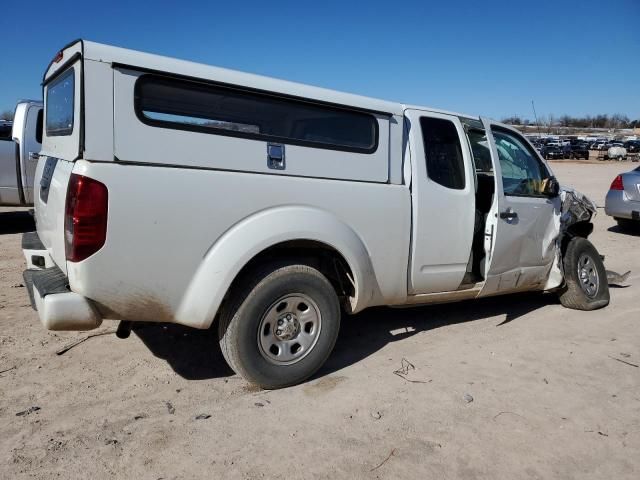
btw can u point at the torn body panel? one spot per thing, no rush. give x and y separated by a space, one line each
576 212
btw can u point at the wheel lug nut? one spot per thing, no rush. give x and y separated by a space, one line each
280 322
288 317
279 332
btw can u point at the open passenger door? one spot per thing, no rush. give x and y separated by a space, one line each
524 221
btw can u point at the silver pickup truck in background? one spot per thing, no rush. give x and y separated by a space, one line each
19 147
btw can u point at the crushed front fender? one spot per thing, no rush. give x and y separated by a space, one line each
576 212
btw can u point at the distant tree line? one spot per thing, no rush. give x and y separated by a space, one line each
617 120
6 115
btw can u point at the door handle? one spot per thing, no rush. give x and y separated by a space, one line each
34 155
275 156
508 215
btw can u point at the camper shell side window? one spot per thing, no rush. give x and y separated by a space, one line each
224 110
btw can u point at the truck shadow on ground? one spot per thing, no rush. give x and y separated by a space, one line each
630 231
16 222
195 354
364 334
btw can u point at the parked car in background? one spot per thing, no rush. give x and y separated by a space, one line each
552 152
623 199
616 152
601 145
289 204
5 129
541 148
19 146
632 146
579 150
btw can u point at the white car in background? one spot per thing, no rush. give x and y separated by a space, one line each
617 152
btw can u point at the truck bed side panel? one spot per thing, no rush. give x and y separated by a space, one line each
162 222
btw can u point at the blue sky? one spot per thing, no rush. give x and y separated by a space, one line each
480 57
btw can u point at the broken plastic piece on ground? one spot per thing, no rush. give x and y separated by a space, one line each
614 278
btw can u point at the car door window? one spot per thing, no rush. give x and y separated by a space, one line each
523 174
443 152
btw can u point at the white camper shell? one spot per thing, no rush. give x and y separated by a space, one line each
170 191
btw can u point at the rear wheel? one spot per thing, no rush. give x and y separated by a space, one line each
279 325
586 285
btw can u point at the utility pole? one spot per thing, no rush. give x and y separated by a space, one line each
535 115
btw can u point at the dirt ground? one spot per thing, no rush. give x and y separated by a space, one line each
552 396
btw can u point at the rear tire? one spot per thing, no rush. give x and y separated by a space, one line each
280 324
586 286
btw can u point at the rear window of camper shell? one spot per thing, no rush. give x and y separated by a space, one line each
60 104
225 110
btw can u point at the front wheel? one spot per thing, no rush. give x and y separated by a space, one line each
586 286
279 326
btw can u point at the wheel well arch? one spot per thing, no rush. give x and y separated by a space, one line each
579 229
291 230
320 255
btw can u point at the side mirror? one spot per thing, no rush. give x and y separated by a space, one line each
552 187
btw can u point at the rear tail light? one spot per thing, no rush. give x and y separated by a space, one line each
617 183
85 220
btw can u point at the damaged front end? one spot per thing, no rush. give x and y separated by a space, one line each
576 208
576 212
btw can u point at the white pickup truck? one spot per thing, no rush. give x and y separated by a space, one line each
19 147
169 191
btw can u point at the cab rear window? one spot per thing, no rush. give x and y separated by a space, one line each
59 107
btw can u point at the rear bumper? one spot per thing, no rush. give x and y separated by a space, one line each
58 307
618 205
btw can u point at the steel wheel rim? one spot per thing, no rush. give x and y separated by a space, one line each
588 276
289 329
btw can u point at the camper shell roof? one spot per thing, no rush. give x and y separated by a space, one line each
137 60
